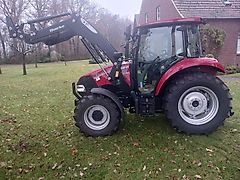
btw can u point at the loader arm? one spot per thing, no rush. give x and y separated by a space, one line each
73 25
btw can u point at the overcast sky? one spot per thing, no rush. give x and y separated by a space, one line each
125 8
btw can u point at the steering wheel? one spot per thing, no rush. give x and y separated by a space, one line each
154 65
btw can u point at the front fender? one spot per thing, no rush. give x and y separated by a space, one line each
188 63
110 95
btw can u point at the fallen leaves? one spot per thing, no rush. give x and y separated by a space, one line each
198 176
185 177
233 130
3 164
144 167
117 147
74 151
128 153
81 174
54 166
136 144
209 150
10 121
199 164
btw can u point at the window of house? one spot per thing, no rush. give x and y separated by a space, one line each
238 44
158 13
146 17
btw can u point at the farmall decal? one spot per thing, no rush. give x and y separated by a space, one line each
89 26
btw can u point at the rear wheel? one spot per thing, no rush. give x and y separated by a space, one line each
197 103
97 115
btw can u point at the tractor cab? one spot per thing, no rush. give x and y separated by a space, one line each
158 46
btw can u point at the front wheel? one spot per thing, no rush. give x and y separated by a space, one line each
97 115
197 103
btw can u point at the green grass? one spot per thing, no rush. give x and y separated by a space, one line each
39 139
237 75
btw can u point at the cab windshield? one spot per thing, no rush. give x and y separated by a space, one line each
165 42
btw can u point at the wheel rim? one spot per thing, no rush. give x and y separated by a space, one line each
198 105
97 117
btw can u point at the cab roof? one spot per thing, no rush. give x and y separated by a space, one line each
169 22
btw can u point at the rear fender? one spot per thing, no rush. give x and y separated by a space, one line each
110 95
208 64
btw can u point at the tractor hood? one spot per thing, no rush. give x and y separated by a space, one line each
101 78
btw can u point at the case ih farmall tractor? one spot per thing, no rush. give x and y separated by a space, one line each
163 70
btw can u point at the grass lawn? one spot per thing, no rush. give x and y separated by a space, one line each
39 139
233 75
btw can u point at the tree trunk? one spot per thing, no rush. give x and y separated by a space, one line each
38 54
0 62
36 60
49 51
36 65
24 64
3 47
15 51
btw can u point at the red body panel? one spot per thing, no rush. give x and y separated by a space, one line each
101 79
187 63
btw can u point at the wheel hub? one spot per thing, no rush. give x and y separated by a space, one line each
195 103
198 105
97 117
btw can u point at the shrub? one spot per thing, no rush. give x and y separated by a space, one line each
212 40
230 69
45 59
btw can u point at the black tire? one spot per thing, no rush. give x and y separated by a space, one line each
197 93
94 109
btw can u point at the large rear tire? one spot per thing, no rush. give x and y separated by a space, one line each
197 103
97 115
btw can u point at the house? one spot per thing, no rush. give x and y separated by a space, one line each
223 14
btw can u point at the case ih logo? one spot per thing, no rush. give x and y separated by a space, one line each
57 28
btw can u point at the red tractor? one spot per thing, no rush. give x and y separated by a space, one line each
163 70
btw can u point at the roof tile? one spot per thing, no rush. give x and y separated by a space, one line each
208 8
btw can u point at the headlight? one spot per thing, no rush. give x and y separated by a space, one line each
81 88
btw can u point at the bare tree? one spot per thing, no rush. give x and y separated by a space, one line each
112 27
15 9
108 24
39 9
0 62
3 44
23 49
